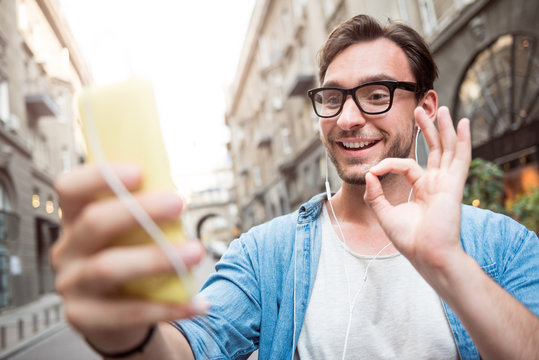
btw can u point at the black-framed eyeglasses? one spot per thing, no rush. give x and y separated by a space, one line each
372 98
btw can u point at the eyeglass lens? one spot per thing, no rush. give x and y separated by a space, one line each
371 98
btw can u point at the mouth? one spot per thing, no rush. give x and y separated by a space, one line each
357 145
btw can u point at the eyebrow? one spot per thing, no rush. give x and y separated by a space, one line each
371 78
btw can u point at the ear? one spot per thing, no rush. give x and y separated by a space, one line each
429 103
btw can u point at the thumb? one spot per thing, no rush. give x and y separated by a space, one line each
374 195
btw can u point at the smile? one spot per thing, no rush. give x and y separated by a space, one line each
357 144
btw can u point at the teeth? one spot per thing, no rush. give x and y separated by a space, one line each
356 145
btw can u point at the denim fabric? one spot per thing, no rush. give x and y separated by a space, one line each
273 266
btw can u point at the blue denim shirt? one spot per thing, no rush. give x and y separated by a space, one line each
261 289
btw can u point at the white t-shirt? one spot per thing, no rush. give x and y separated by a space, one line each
397 315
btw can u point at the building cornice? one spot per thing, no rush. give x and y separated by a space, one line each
52 12
258 20
448 33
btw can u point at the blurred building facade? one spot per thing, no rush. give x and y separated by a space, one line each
41 71
486 51
211 214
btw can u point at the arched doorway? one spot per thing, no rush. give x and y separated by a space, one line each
498 93
215 232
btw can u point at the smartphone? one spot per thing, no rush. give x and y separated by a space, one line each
120 124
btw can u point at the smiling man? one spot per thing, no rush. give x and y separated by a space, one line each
362 127
390 266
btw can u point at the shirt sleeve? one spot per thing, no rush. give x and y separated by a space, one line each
232 326
519 267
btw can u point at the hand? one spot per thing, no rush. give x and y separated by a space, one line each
427 229
89 271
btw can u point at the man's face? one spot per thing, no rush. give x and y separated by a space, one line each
357 141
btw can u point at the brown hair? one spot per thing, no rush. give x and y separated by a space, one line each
366 28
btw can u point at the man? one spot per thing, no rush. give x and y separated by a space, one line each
391 266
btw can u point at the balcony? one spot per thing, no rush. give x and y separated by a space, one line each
41 105
300 84
262 140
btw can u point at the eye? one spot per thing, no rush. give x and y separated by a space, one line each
374 94
378 96
331 98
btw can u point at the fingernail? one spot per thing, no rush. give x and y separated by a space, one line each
191 252
201 305
127 170
129 173
172 202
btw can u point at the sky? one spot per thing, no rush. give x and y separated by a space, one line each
190 50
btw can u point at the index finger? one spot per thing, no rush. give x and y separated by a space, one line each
84 184
432 137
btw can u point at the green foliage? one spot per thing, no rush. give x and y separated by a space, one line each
485 183
526 209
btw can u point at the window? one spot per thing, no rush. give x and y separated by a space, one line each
287 22
65 159
22 18
285 135
499 90
4 277
5 211
329 7
8 230
299 7
4 101
498 93
61 102
257 176
9 220
41 152
436 14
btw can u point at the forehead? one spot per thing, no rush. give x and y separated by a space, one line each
380 59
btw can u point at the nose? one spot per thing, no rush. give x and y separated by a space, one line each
350 116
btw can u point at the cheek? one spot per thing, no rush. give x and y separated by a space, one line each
325 126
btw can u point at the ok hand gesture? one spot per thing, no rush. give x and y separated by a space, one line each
426 229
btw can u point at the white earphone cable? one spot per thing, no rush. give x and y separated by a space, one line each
352 302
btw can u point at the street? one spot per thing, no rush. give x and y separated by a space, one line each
66 344
62 345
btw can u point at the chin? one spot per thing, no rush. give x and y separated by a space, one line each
351 177
355 180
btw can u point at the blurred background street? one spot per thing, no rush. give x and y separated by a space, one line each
58 340
230 79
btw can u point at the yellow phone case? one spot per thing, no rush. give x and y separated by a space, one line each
127 125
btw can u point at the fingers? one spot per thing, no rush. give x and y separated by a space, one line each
90 272
102 221
374 194
84 184
463 152
445 145
408 167
431 136
95 314
447 135
104 272
464 144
